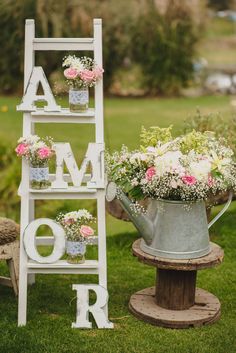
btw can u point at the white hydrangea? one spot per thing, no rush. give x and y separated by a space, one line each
168 163
201 169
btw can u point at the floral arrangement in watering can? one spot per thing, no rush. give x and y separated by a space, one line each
77 228
81 73
177 175
37 152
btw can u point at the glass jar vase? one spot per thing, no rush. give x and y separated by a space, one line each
79 99
75 251
39 176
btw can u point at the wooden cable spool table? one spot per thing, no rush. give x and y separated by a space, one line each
175 302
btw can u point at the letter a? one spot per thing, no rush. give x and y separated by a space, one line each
30 96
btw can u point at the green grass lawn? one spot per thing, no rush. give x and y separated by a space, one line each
51 308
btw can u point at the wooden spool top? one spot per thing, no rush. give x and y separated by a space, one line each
214 258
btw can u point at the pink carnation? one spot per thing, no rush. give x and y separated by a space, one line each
44 152
98 71
86 231
189 180
87 75
22 149
210 180
71 73
150 173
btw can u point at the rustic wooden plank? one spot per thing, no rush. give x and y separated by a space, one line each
175 290
214 258
10 253
206 310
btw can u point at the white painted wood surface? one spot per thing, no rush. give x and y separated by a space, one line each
28 267
30 241
98 309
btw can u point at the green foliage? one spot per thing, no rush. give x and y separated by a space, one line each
165 58
195 140
9 180
222 127
164 46
154 134
12 16
61 19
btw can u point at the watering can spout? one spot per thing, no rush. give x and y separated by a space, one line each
141 221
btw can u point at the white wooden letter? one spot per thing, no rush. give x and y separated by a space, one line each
97 309
30 241
30 95
93 156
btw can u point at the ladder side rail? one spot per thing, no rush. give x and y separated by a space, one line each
29 60
99 126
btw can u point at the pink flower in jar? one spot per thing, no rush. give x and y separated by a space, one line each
189 179
98 71
71 73
150 173
87 75
44 152
86 231
22 149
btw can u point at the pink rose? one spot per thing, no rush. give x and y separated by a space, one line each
150 173
22 149
86 231
44 152
87 75
70 73
210 180
189 179
98 71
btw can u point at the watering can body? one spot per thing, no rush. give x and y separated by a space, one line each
172 229
180 231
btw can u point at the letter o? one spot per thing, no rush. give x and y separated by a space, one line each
30 241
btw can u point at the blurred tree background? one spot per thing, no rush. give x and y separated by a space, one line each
153 39
150 46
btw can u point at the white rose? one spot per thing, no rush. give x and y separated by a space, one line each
201 169
168 163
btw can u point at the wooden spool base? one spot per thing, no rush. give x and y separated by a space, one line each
205 311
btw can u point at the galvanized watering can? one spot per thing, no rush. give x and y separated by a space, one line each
171 229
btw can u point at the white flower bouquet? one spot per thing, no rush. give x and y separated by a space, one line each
188 168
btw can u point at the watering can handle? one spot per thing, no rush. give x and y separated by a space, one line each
222 211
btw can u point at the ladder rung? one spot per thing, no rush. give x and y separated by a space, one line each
63 44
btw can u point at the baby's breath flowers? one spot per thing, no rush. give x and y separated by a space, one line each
187 168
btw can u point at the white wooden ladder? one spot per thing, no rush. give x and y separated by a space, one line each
28 196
